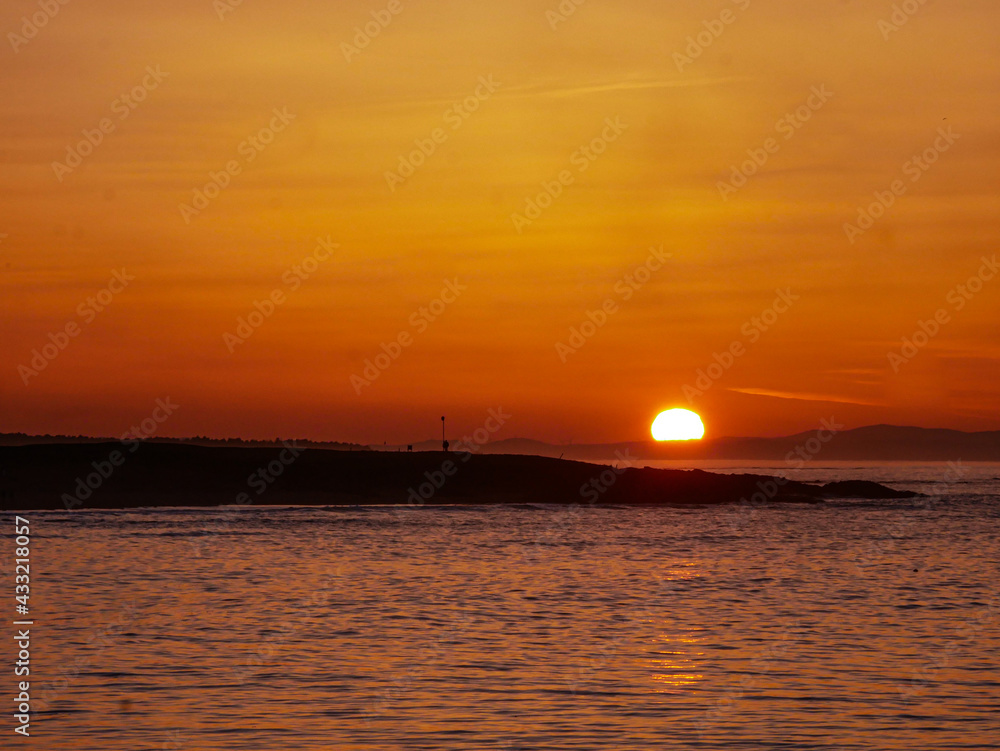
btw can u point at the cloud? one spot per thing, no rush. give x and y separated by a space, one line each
807 397
526 91
595 88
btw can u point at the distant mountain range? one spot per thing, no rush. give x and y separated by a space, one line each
873 443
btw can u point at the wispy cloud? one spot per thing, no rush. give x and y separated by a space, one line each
558 90
597 88
855 371
807 397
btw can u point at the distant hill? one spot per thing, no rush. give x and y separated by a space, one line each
871 443
24 439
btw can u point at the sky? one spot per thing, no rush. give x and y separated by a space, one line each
740 207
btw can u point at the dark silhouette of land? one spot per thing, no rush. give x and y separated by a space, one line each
117 475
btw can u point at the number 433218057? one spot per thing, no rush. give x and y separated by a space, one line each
22 570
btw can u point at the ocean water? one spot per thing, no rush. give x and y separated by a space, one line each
844 625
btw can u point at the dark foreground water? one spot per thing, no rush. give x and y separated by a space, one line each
848 625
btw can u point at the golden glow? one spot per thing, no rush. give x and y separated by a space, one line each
324 175
678 425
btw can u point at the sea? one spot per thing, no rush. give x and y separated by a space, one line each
848 624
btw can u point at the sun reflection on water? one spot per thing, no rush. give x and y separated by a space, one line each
676 661
677 667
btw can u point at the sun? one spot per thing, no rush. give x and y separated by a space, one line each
678 425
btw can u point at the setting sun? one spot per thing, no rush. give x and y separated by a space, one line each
678 425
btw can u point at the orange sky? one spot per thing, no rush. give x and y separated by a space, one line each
543 94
